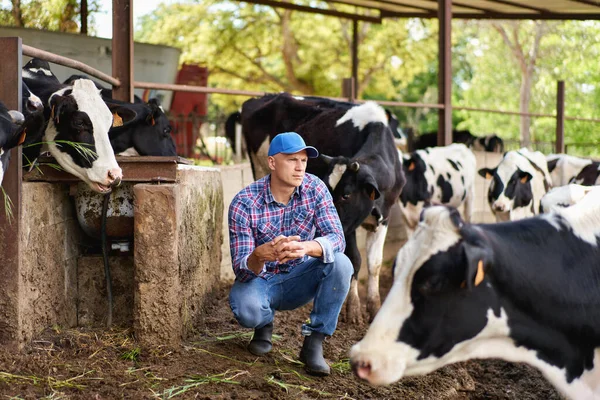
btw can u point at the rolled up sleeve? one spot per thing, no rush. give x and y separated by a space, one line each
241 240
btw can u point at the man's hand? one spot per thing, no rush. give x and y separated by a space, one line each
282 249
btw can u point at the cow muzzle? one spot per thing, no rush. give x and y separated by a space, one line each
115 175
499 207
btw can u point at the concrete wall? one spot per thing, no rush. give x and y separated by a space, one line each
152 63
233 178
49 242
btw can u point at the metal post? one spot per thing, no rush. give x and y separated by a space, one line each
560 117
445 72
10 228
122 49
355 54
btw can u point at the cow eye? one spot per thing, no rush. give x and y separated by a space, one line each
346 196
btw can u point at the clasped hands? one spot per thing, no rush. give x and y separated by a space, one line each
281 249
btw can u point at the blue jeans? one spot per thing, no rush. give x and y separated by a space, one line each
254 303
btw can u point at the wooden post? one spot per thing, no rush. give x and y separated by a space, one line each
84 17
348 89
560 117
122 49
355 55
445 72
10 228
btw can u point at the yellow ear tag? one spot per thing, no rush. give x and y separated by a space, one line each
488 175
152 121
480 274
411 166
22 137
372 196
117 120
524 179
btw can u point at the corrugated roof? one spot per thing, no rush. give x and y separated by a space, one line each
375 10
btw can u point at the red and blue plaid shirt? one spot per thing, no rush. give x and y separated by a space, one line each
256 218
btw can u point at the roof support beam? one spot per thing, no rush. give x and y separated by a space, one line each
331 13
445 73
355 54
122 49
525 16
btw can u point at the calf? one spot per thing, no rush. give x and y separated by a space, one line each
523 291
566 169
517 184
77 127
360 165
11 135
437 175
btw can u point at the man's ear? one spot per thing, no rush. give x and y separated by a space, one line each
271 161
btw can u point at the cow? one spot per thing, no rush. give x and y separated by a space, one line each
77 127
11 135
105 92
360 165
563 196
566 169
140 129
437 175
517 184
522 291
491 143
33 126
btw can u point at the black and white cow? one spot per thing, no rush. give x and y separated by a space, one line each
491 143
140 129
438 175
11 135
75 114
563 196
566 169
517 184
363 170
522 291
105 92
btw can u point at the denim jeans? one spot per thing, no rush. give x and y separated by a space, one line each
254 303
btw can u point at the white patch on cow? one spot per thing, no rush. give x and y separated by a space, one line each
521 159
563 196
336 175
89 101
364 114
131 152
298 98
42 70
567 168
583 217
260 161
1 166
375 243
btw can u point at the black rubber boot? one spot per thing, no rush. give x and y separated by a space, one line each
261 340
312 355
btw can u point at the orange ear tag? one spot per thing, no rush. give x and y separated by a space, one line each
22 137
480 273
117 120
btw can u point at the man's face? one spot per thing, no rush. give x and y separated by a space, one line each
289 169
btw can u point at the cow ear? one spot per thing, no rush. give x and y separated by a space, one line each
122 116
58 104
154 111
326 159
552 164
524 177
371 188
487 173
478 256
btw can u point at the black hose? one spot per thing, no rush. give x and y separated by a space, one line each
105 257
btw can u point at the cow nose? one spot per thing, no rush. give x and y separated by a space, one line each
114 176
499 207
34 105
362 369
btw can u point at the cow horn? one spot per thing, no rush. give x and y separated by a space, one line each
355 166
326 159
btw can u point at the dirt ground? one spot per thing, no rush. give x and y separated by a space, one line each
100 364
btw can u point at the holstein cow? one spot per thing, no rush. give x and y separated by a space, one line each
361 167
437 175
105 92
517 184
522 291
11 135
78 121
491 143
563 196
566 169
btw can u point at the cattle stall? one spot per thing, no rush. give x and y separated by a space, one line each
52 278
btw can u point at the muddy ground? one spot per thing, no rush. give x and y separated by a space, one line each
100 364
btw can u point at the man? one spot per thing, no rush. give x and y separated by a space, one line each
287 247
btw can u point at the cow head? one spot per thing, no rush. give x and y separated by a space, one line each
354 190
510 194
77 135
143 127
439 306
416 189
11 135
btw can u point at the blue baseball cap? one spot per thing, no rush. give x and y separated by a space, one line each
290 143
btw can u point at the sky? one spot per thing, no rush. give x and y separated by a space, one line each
103 23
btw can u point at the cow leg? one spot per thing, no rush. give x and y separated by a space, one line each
352 309
260 166
375 243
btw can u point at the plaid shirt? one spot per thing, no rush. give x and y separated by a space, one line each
256 218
